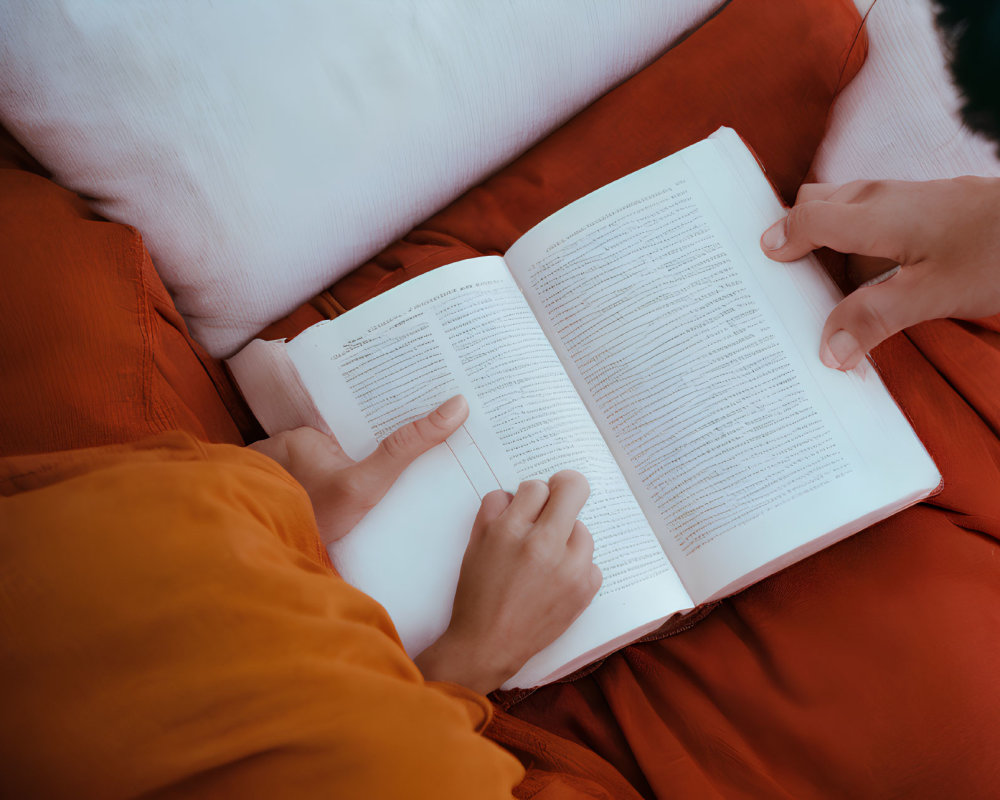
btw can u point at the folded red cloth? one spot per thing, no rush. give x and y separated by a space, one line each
94 351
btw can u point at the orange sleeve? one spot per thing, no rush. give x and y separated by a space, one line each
170 628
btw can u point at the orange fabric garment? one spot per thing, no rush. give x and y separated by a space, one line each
93 349
170 629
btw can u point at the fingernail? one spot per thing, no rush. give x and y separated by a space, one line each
775 236
841 349
880 278
452 408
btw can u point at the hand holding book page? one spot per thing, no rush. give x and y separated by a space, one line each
527 574
938 238
659 353
528 571
341 490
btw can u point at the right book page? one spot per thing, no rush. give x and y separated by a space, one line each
698 358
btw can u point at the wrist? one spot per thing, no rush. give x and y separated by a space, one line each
454 660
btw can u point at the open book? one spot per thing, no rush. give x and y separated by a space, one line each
639 336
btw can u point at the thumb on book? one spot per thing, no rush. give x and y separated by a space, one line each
403 446
819 220
874 312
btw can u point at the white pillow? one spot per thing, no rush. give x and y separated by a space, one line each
899 117
264 149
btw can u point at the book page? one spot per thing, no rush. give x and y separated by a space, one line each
465 328
697 356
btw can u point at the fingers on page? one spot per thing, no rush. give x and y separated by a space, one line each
569 491
401 447
845 227
493 505
528 502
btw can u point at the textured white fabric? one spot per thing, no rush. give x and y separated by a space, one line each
899 117
264 149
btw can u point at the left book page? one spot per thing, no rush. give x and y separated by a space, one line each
464 328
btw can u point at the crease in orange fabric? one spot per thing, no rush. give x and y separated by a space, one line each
171 630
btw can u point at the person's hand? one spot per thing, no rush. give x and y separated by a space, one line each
528 572
944 235
342 490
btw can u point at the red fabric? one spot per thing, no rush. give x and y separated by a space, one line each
868 670
93 350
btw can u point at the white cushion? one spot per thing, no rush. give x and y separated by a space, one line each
899 117
264 149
